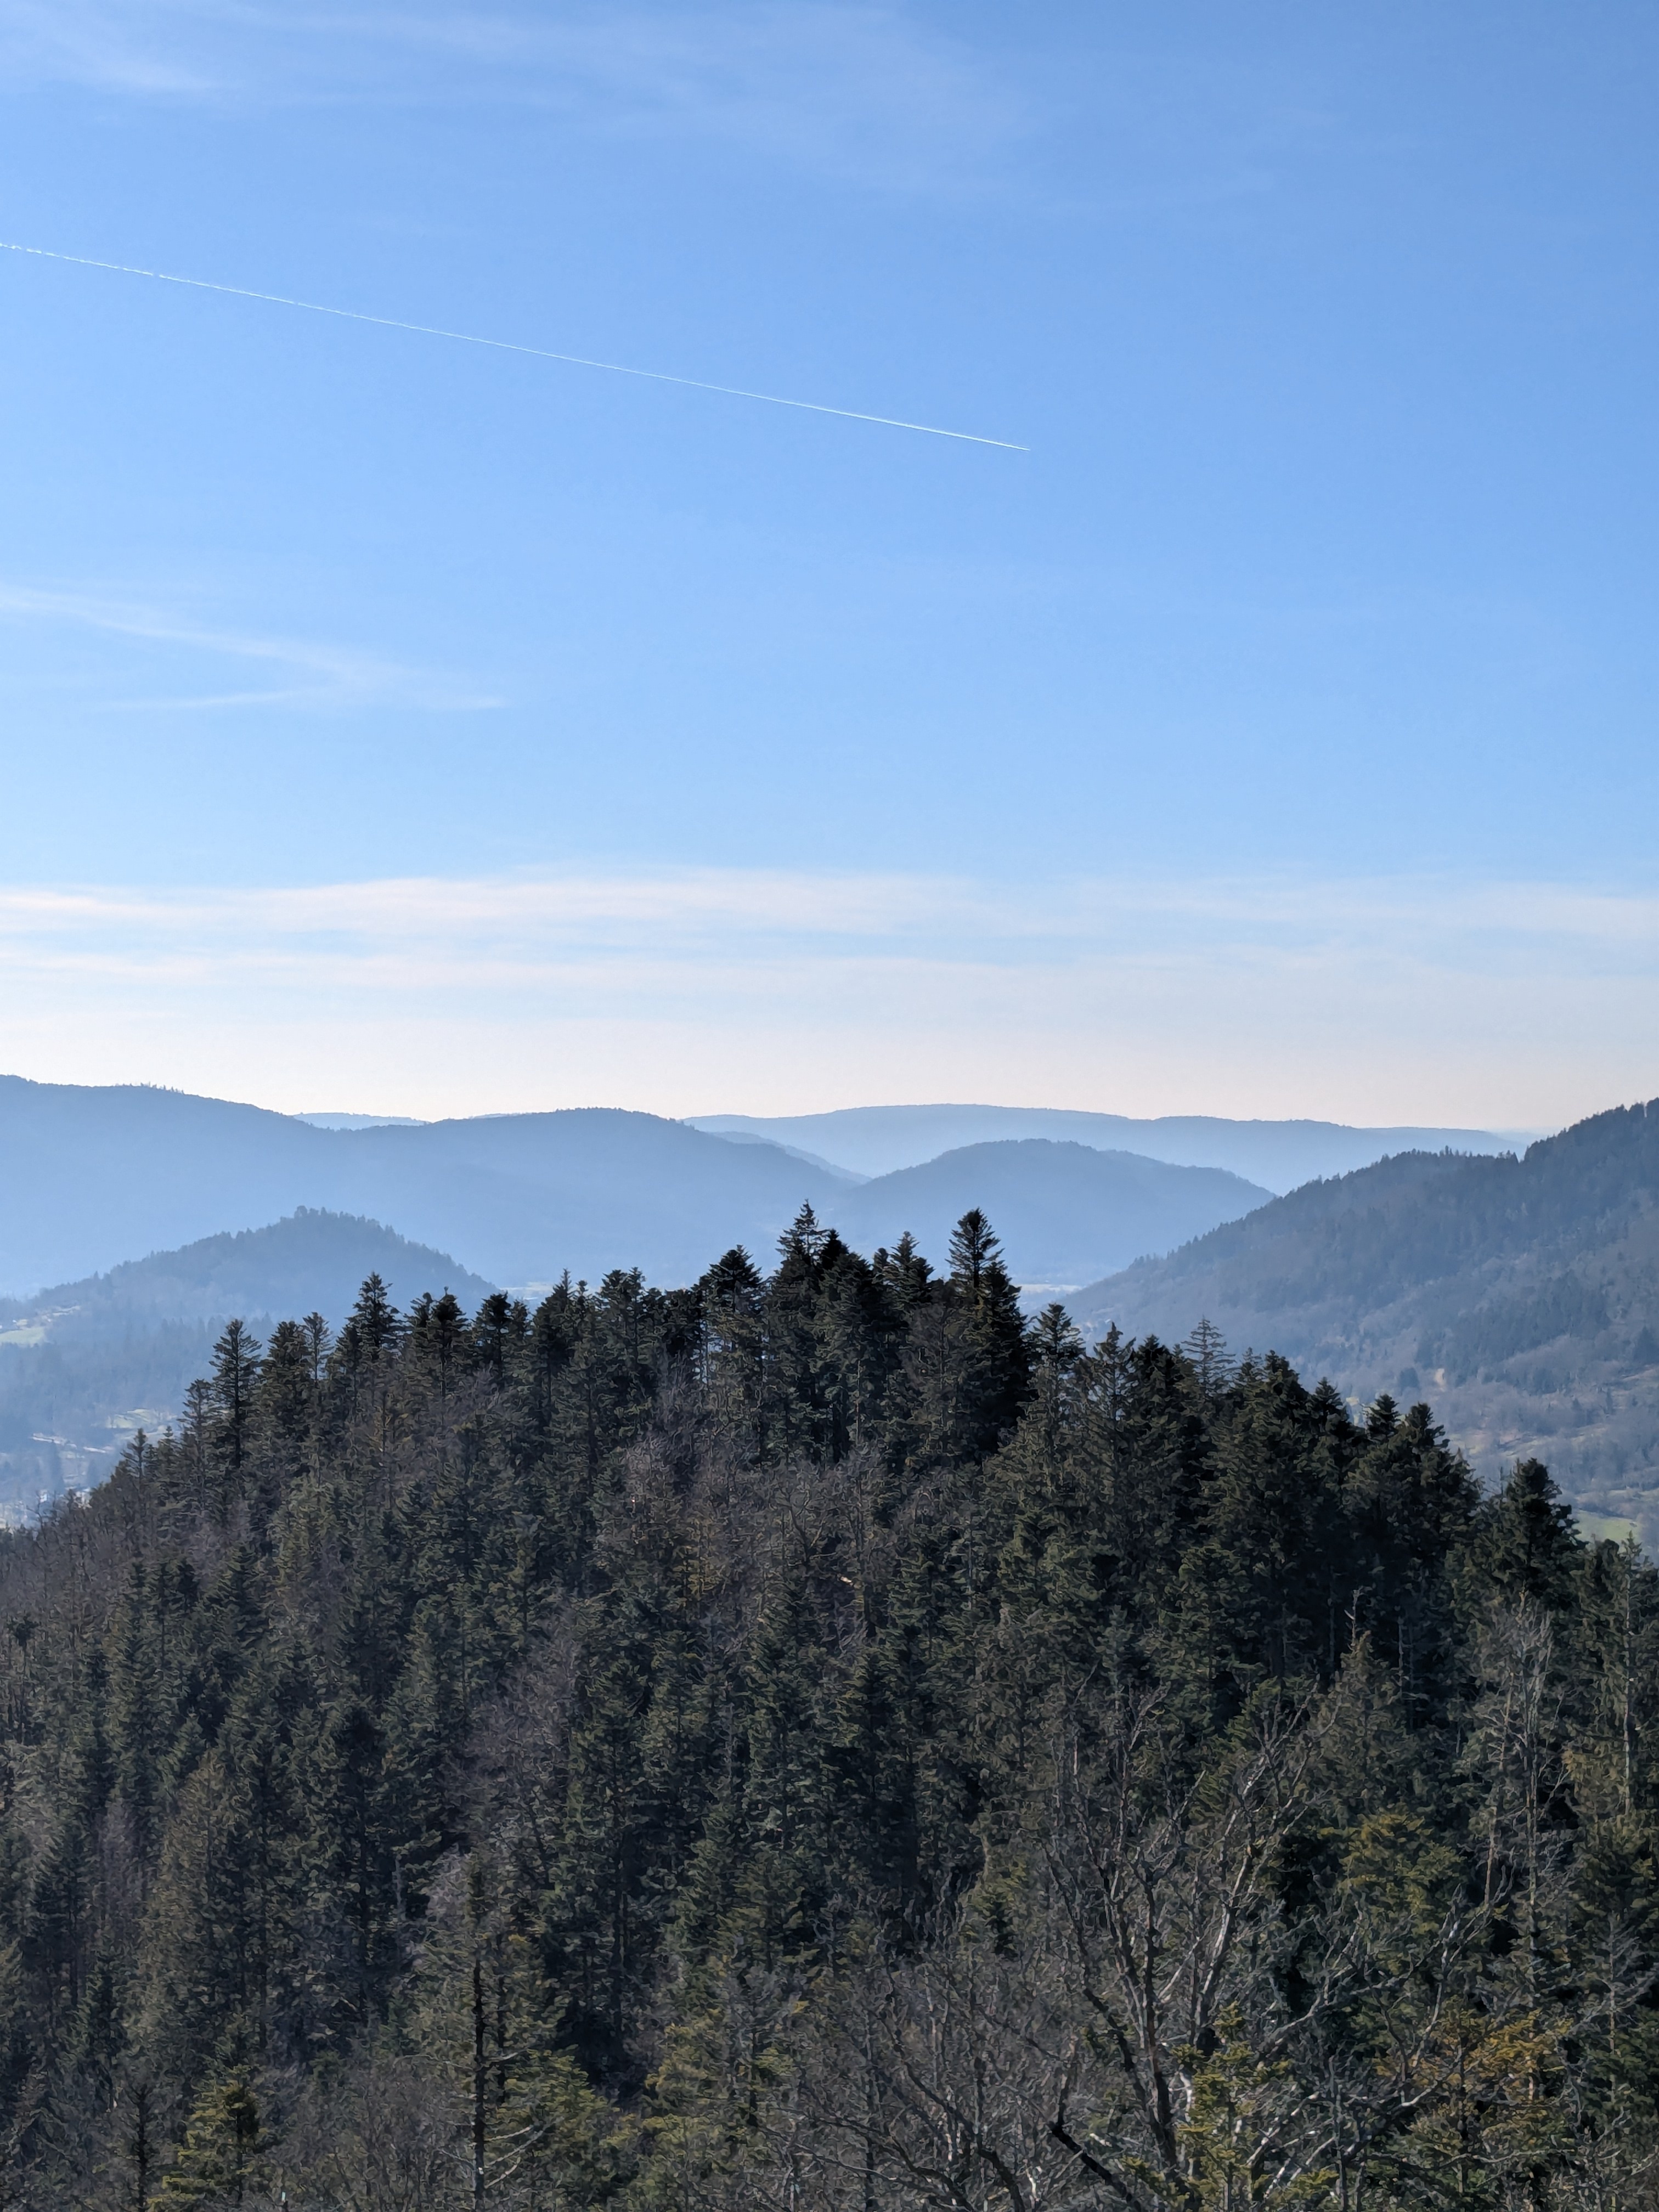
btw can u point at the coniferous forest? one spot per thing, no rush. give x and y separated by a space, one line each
817 1740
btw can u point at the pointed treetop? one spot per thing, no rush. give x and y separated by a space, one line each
974 1246
1206 1348
378 1322
803 1239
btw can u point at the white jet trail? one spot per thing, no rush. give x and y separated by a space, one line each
506 345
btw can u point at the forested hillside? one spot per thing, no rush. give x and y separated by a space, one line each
1521 1294
817 1741
84 1363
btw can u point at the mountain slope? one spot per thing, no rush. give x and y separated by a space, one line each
523 1196
1522 1294
1064 1212
877 1140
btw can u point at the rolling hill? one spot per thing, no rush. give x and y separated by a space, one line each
1065 1211
1519 1295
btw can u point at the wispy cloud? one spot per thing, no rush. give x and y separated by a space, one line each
320 676
1402 999
538 924
865 92
893 97
150 48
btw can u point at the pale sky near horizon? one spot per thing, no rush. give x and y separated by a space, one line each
389 724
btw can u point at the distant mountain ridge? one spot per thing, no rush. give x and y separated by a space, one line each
877 1140
85 1362
1520 1295
96 1177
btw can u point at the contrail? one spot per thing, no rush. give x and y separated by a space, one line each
506 345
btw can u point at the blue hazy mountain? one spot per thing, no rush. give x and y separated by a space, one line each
1066 1212
95 1177
362 1120
874 1140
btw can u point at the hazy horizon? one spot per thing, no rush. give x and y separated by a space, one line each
369 1116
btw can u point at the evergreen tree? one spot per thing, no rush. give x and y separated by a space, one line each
1526 1547
236 1362
996 1329
220 2160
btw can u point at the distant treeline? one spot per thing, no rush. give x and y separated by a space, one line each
819 1741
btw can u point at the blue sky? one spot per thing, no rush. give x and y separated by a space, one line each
395 724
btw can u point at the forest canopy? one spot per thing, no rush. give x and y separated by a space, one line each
817 1740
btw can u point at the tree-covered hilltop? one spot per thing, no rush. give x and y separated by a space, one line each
816 1740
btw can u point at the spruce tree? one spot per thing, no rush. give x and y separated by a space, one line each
236 1362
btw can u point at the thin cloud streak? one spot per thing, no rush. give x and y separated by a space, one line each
864 96
344 677
1076 916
